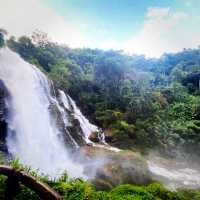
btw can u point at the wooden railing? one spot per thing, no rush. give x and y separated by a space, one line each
15 177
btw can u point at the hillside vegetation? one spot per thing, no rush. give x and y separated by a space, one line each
138 102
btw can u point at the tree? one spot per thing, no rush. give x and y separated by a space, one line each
60 75
40 38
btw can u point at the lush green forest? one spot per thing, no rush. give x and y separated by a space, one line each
138 102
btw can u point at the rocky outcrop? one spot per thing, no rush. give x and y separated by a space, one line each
94 137
64 132
69 127
108 169
77 126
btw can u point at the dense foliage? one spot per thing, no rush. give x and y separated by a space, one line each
76 189
137 101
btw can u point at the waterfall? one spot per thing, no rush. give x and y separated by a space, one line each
86 127
33 135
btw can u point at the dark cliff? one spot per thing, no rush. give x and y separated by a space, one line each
3 113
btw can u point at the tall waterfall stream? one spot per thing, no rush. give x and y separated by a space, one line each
33 136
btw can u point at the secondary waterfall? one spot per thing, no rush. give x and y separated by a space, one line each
33 136
86 127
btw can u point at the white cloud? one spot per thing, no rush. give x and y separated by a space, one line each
108 44
22 17
163 31
157 12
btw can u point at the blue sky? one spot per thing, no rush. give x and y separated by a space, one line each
118 19
149 27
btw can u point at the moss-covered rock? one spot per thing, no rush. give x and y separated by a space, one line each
108 168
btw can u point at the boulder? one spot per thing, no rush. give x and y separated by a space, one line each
108 169
94 137
109 137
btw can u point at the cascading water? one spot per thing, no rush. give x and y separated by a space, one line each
86 127
33 136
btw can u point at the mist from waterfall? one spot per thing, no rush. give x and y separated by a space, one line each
176 172
33 136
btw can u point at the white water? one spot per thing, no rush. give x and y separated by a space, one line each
33 135
175 174
66 121
86 126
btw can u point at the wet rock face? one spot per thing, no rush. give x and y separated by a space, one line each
64 135
3 113
75 129
69 127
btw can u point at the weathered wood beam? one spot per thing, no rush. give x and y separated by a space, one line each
43 190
